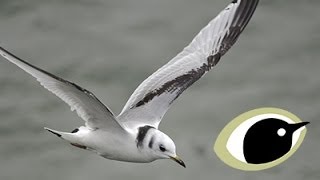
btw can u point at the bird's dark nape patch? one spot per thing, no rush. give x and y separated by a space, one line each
75 130
59 135
142 132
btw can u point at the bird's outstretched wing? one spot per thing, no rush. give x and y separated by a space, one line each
87 106
153 97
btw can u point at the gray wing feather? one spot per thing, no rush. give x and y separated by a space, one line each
150 101
86 104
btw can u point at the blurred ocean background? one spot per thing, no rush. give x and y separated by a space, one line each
110 47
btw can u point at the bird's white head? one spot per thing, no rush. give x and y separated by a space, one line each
157 144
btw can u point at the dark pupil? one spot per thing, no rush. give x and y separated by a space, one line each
161 147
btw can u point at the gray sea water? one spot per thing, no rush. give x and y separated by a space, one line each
109 47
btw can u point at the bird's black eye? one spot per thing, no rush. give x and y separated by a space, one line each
162 148
260 139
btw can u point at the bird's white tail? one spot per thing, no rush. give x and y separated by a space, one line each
72 137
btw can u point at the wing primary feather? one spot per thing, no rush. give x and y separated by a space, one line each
182 82
86 104
53 76
246 9
154 96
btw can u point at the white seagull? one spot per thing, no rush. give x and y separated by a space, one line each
133 135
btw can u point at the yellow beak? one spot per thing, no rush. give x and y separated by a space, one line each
178 160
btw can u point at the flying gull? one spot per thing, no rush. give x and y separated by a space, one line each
133 135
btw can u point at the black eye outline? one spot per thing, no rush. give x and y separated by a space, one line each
162 148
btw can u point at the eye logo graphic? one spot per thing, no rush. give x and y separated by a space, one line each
260 139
